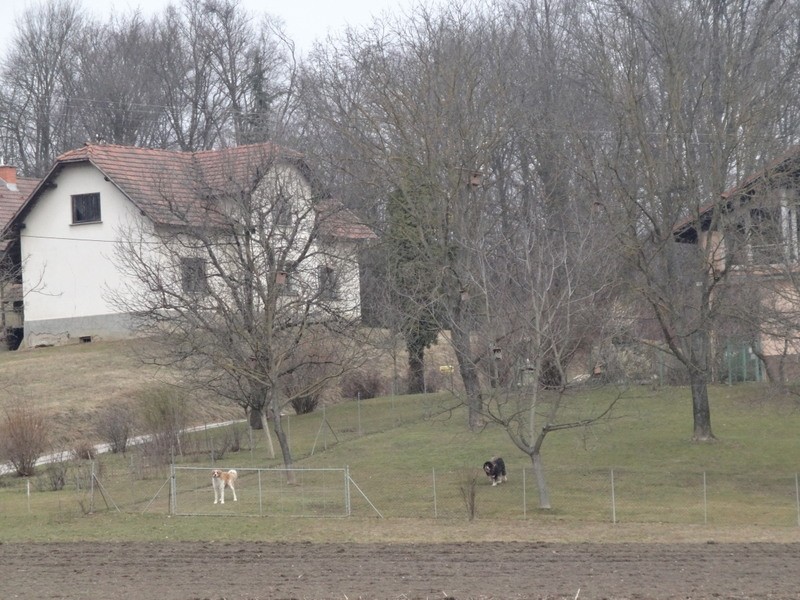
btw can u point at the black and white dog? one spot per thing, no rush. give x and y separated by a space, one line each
495 469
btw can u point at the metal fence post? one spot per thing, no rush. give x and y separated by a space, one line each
797 497
613 500
173 489
435 507
260 495
524 495
348 507
91 489
358 409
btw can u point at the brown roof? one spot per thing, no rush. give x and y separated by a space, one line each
686 229
777 166
11 200
175 188
339 222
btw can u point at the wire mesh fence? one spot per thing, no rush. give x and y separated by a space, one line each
263 492
601 495
144 481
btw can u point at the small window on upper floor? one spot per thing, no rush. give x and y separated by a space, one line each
283 209
194 279
286 282
86 208
328 283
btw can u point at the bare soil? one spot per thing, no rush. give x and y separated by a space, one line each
508 570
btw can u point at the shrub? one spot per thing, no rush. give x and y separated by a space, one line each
84 450
236 443
114 426
303 405
362 384
23 439
164 414
468 488
218 443
56 473
435 381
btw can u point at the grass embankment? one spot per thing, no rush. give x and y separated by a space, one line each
412 457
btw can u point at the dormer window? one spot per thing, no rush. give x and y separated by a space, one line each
283 209
85 208
328 283
194 279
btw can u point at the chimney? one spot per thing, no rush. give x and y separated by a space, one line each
8 174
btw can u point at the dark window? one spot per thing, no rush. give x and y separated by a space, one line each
283 210
328 283
86 208
286 282
193 276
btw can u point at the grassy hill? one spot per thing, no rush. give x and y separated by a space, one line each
71 383
412 456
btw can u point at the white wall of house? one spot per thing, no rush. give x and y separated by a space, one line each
67 268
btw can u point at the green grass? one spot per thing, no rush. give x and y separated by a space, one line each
395 448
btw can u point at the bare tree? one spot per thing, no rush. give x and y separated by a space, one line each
548 290
37 78
117 96
691 92
226 78
23 438
252 287
412 108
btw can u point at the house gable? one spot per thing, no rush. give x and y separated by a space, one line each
13 191
67 263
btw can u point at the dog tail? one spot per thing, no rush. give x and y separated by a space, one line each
233 473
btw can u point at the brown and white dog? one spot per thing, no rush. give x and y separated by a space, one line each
220 480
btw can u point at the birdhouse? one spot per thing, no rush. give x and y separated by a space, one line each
280 277
497 352
475 179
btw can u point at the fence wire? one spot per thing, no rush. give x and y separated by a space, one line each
614 495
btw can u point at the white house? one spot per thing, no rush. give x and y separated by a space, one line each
72 226
13 192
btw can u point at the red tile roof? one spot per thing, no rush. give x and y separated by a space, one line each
174 188
339 222
11 200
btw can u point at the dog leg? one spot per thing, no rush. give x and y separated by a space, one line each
233 489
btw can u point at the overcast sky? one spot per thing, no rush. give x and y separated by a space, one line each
305 20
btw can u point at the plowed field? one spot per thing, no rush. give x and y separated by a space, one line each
252 570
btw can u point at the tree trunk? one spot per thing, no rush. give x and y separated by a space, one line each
283 442
774 369
265 427
254 417
538 470
416 369
469 377
701 408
